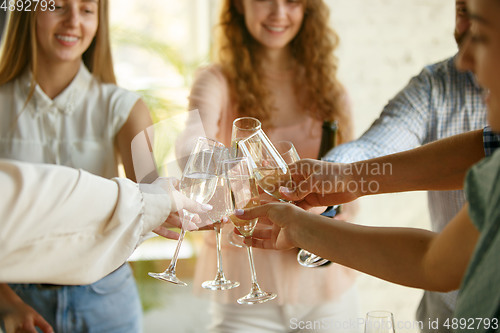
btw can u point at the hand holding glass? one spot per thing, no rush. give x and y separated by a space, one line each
269 169
198 183
289 154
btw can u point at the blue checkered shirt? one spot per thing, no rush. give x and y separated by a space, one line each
491 141
438 103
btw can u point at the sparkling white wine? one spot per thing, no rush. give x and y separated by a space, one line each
198 186
270 180
221 201
254 148
246 227
244 194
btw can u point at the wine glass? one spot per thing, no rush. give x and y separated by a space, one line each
221 203
244 194
198 182
289 154
379 322
308 259
269 169
287 151
242 128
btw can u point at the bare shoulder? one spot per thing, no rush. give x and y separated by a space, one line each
212 73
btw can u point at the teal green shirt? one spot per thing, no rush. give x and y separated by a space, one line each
479 296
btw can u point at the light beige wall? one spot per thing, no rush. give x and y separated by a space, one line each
384 43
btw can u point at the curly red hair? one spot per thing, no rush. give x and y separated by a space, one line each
313 48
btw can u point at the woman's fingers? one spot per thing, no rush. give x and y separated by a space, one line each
180 201
297 193
253 213
165 232
264 233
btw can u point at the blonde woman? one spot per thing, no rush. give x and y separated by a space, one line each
274 61
61 105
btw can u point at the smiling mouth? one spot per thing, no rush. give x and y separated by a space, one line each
67 39
275 29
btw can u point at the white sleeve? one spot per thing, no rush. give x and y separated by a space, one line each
67 226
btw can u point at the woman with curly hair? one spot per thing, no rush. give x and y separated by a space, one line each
275 61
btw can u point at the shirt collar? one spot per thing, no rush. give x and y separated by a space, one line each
470 75
66 102
473 78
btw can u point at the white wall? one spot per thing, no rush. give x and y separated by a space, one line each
384 43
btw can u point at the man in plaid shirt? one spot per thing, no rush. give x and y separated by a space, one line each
440 102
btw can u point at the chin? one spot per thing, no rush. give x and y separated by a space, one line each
275 46
494 118
495 128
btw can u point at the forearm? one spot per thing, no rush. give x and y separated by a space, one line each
135 145
440 165
41 249
393 254
7 296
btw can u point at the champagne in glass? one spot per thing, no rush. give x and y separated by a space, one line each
270 170
270 179
244 194
289 154
222 206
242 128
198 186
198 183
246 227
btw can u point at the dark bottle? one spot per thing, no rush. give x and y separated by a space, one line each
328 142
328 138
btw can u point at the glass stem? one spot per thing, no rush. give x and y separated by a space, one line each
255 285
173 262
220 272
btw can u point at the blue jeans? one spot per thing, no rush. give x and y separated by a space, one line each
110 305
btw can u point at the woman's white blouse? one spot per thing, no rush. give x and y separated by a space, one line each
76 129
